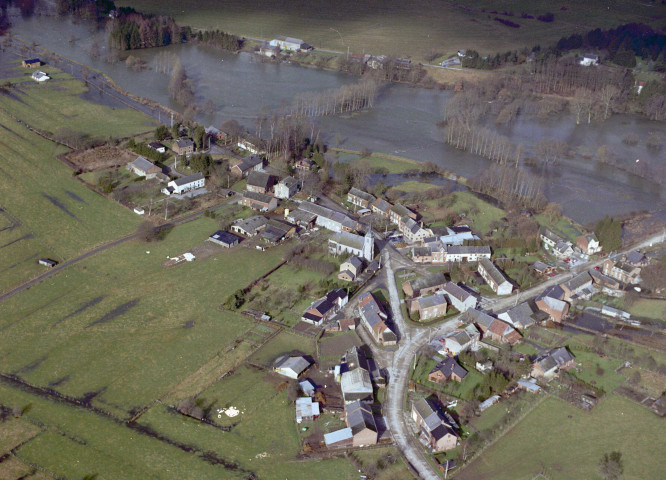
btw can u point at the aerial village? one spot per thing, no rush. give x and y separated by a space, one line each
479 350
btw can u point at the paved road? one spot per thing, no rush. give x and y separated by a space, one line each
414 338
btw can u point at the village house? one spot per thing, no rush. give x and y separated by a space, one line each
290 43
250 226
349 243
224 239
636 259
550 301
446 370
494 278
291 367
185 184
521 316
374 319
438 429
277 230
287 188
144 167
494 329
32 63
350 269
330 219
542 268
251 144
608 285
259 201
458 297
361 58
397 212
303 165
556 244
377 62
306 410
588 244
459 340
359 417
325 307
183 146
259 182
157 146
247 165
360 198
217 135
466 253
579 286
429 307
424 285
427 253
381 207
621 271
412 230
551 363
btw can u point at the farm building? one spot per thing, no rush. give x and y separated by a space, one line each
157 146
40 76
306 410
259 201
290 43
144 167
494 278
47 262
224 239
359 417
259 182
429 307
291 367
247 165
424 285
250 226
32 63
339 438
329 219
325 307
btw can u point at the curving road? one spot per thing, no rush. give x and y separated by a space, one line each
412 339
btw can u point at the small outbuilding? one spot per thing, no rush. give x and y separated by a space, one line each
47 262
291 367
224 239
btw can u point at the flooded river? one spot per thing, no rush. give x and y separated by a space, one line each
403 121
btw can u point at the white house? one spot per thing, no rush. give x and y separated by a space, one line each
494 278
185 184
40 76
287 188
589 59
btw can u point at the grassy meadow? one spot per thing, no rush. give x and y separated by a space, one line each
119 331
416 29
53 215
565 442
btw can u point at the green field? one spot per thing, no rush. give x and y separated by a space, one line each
652 309
284 343
479 214
119 331
416 29
55 216
565 442
392 163
59 103
122 325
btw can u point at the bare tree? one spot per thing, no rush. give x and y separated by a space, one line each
608 95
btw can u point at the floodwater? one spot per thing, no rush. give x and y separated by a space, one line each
402 123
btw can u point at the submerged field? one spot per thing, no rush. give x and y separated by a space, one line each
416 29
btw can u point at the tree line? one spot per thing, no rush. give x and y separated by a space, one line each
134 30
348 98
218 39
510 185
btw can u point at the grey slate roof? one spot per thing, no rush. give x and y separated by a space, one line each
189 179
249 162
225 237
297 364
456 291
492 271
259 179
252 224
258 197
522 314
468 249
448 367
142 164
577 282
349 240
361 194
184 142
431 301
359 417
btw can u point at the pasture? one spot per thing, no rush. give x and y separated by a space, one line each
416 29
121 329
571 442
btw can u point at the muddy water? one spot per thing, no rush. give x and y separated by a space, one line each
402 123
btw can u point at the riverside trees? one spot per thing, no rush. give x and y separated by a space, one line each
348 98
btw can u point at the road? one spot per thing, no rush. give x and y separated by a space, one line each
60 267
413 339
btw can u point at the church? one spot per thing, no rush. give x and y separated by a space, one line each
352 244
